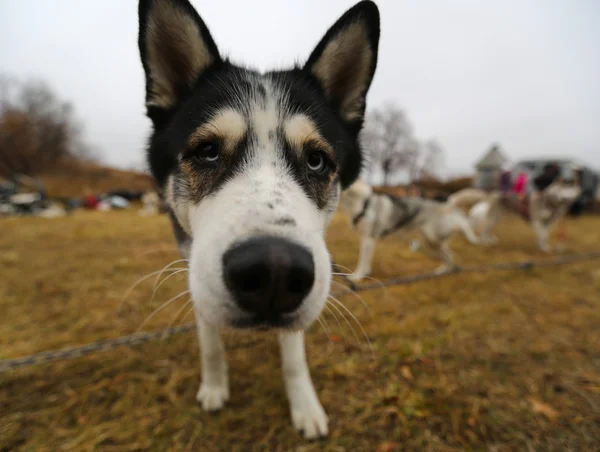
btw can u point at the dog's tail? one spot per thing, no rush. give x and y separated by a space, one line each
467 198
478 214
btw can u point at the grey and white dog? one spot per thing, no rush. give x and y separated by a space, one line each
378 215
542 210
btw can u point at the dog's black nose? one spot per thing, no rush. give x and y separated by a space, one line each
268 276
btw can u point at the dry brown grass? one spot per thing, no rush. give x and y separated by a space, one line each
497 361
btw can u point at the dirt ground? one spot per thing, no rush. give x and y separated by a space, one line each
497 361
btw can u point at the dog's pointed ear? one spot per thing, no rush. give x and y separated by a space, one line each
175 47
344 61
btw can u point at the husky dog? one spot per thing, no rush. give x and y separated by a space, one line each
484 211
252 165
543 210
377 215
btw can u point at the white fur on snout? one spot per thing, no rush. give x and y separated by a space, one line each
249 207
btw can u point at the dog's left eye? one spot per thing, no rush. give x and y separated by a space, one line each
316 162
207 151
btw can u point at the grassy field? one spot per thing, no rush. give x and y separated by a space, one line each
497 361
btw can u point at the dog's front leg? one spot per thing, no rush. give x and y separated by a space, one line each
541 232
561 235
214 390
442 252
365 258
307 413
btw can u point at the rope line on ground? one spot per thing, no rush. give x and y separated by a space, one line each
165 333
521 265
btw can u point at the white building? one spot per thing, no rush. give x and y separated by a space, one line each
489 168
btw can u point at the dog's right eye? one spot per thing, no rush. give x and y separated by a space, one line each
207 152
316 162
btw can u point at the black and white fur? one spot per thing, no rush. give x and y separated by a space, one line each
378 215
252 165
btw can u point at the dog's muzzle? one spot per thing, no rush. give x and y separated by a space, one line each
268 277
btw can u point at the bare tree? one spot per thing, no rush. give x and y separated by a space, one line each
388 141
433 159
37 130
426 162
391 147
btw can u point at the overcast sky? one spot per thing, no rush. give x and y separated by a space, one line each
525 73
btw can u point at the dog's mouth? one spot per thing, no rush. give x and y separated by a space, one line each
263 323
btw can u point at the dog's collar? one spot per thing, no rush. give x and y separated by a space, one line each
362 213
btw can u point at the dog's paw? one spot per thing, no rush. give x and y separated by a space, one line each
357 277
309 418
444 268
212 398
489 241
414 246
354 277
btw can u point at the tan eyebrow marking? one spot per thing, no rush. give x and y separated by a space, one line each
227 125
300 130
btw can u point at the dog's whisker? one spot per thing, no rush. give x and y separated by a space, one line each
169 265
344 268
332 312
176 316
356 295
341 313
326 324
137 283
188 312
160 308
164 280
336 317
370 278
325 328
380 283
341 305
